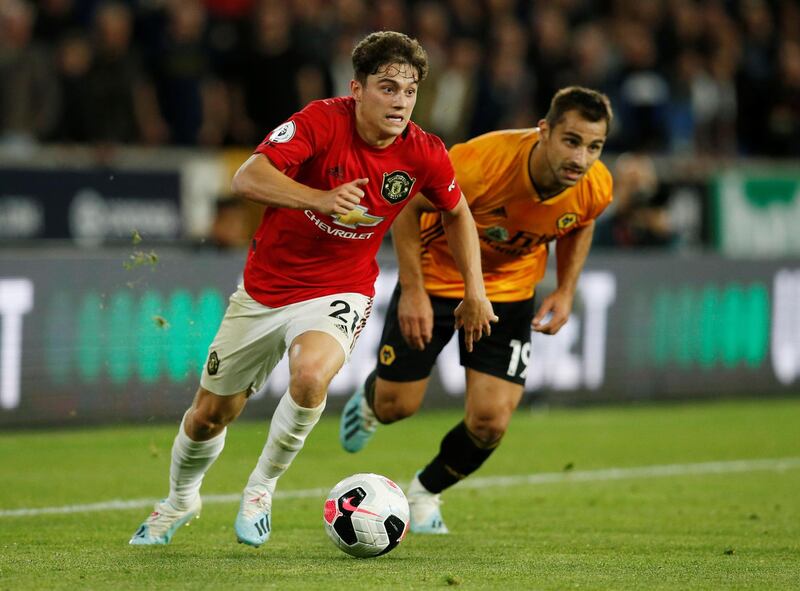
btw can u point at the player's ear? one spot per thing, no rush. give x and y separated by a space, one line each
544 128
356 88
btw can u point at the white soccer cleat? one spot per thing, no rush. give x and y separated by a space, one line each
253 523
424 506
163 522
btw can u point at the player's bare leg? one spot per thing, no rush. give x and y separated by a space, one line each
200 439
395 401
490 403
314 359
377 401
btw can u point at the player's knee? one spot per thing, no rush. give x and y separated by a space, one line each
208 422
387 414
308 382
487 429
389 409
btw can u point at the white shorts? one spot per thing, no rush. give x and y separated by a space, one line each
253 338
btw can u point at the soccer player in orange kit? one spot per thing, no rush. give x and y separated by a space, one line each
525 188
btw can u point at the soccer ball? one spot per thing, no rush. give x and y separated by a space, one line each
366 515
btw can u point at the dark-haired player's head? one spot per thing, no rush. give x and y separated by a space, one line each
591 105
384 48
573 133
388 67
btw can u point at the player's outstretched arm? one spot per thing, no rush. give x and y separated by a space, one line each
474 312
258 180
571 252
414 310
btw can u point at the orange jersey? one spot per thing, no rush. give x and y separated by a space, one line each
514 225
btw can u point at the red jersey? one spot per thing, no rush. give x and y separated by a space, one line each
297 254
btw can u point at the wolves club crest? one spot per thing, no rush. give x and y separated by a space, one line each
387 355
566 220
396 186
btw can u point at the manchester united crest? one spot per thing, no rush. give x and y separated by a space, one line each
213 364
396 186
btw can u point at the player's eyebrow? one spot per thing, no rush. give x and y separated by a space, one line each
579 138
573 135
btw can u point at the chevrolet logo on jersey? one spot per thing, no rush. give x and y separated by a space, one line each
396 186
357 217
566 220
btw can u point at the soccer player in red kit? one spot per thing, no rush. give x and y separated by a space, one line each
333 177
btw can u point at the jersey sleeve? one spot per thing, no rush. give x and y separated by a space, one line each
442 189
467 163
603 189
298 138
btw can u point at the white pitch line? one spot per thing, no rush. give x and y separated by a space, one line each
658 471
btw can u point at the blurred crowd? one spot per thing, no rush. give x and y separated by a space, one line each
718 77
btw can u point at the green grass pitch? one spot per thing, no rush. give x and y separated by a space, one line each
599 511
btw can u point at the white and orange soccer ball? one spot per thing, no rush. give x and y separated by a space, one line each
366 515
